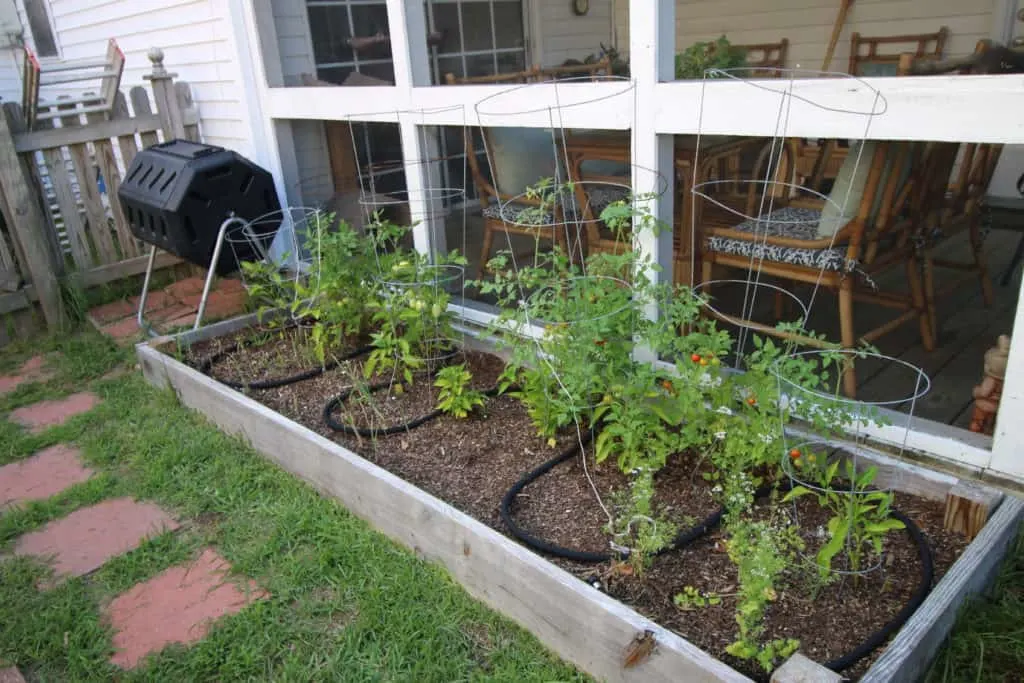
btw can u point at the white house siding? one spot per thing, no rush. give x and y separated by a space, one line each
195 36
808 24
561 35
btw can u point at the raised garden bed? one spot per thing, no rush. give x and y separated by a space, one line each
438 489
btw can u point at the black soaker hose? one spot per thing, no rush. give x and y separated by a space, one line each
206 366
924 552
351 430
688 536
681 540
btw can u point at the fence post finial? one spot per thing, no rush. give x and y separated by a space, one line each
171 118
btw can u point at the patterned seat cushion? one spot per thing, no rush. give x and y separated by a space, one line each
524 214
792 223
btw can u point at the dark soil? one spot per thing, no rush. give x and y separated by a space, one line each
471 463
247 356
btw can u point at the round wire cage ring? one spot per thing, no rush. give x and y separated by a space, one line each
914 381
401 278
749 297
807 458
812 87
545 96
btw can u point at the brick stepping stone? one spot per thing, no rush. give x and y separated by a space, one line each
45 414
11 675
84 540
46 473
176 606
32 370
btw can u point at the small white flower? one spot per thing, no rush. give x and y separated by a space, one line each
720 436
724 410
767 438
716 489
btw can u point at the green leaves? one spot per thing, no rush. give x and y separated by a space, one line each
839 528
455 398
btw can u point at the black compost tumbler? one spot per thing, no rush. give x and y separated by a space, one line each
177 194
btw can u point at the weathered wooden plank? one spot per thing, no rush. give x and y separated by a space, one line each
183 92
908 655
107 163
101 275
8 262
61 137
28 225
141 107
89 191
74 227
581 624
16 118
127 144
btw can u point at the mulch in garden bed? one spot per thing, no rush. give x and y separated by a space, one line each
471 463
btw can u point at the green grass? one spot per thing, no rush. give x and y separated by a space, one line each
346 603
987 643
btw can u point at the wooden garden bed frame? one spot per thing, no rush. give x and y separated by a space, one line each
579 623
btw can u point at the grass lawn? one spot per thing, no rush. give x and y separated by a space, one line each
346 603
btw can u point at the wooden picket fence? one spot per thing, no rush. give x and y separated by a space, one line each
58 191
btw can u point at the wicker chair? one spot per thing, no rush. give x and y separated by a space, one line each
828 245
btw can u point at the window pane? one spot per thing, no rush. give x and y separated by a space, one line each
476 26
329 26
446 20
480 65
449 65
510 62
371 20
508 24
39 24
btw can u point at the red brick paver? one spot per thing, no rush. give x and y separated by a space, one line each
46 473
182 288
108 313
32 370
156 300
123 331
11 675
40 416
85 539
176 606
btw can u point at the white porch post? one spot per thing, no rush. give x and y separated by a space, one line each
407 25
651 60
1008 439
259 66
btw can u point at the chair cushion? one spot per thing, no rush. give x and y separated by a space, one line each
848 189
524 214
792 223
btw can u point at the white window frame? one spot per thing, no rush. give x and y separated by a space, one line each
944 108
43 6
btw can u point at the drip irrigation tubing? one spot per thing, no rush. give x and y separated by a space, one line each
690 535
207 365
682 539
924 552
370 432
